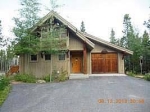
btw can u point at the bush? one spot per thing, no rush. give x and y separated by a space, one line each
4 93
56 77
147 77
62 76
47 78
4 82
25 78
131 74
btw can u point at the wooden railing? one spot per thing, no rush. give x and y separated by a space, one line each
13 69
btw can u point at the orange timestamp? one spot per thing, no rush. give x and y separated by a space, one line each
121 101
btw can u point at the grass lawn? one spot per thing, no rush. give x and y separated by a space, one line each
4 94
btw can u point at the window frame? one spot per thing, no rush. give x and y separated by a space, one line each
33 55
62 58
47 59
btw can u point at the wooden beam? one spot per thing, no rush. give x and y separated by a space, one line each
84 58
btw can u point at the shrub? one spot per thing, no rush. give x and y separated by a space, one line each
147 77
62 76
131 74
56 77
47 78
25 78
4 93
4 82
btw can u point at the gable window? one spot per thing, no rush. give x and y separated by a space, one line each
61 56
47 56
33 57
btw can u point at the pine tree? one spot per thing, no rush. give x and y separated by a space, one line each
0 34
2 40
128 32
146 51
82 28
113 40
128 41
147 23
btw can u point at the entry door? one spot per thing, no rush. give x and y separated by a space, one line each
76 64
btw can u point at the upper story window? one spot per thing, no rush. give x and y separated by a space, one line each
47 56
33 57
61 56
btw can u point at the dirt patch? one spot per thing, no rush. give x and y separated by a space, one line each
16 82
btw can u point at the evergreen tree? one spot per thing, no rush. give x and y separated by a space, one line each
2 40
147 23
129 41
82 28
0 34
146 51
26 41
128 32
113 40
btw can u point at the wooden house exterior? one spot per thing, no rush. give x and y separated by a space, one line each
84 53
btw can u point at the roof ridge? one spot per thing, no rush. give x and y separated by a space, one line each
65 22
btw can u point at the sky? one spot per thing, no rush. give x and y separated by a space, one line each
99 16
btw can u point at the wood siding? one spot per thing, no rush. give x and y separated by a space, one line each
104 63
75 43
98 48
42 67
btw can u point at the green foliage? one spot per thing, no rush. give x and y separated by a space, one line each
25 78
139 45
26 41
131 74
53 41
47 78
4 82
55 77
63 76
3 41
0 34
113 40
53 5
82 28
147 77
4 93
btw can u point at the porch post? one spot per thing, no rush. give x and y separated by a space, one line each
84 58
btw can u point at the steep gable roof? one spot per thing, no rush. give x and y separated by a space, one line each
83 36
69 25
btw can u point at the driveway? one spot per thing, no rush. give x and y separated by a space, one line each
96 94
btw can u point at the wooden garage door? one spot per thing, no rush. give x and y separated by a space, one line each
104 63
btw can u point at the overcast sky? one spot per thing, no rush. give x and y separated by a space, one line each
99 16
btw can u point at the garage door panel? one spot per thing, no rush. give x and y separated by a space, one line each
104 63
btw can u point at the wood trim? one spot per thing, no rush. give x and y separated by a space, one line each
85 58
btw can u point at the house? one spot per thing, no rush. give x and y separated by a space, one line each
84 53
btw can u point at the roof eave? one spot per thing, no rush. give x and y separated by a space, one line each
109 44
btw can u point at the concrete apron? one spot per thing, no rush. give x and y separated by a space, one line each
115 74
83 76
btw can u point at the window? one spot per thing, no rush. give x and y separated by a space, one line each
33 58
47 56
61 56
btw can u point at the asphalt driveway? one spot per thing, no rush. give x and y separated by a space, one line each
96 94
